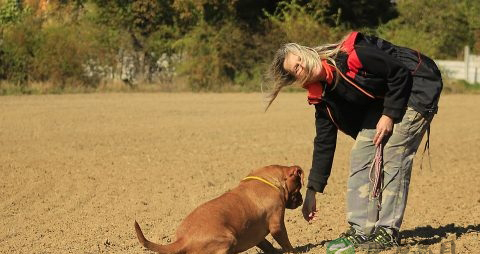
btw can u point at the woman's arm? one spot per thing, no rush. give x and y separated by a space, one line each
398 86
324 146
323 150
398 80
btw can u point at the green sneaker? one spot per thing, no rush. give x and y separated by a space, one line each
381 239
354 236
340 246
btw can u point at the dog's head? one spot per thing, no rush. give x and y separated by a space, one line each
293 177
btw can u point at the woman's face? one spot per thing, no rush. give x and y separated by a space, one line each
294 65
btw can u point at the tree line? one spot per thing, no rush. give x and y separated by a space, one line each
206 45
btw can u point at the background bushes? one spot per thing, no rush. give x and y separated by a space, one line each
442 31
212 45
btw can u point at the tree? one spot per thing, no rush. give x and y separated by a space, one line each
220 42
437 28
472 9
353 14
10 11
141 17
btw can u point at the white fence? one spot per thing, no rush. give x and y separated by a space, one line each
468 69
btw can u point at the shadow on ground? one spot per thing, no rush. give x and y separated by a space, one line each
303 249
307 247
428 235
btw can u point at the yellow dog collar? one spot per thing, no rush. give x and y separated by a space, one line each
261 180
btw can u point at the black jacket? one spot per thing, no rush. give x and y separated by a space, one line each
376 77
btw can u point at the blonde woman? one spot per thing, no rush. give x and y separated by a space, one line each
382 95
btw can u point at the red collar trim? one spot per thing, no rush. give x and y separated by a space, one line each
349 43
315 93
315 90
329 69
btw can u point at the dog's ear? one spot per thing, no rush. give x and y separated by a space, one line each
294 183
295 176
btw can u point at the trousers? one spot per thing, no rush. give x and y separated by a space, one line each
363 211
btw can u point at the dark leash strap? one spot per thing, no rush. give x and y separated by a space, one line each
427 149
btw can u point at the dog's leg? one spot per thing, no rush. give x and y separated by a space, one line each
279 233
221 251
267 247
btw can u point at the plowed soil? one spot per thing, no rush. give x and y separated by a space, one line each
77 170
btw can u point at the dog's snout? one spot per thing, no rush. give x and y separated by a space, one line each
295 200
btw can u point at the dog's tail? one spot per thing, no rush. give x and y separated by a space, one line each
172 248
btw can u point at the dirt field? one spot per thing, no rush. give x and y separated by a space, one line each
77 170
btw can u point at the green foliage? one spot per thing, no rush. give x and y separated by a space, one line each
10 12
149 15
460 86
62 56
294 23
437 28
472 9
211 56
220 51
220 44
162 40
57 53
19 42
139 16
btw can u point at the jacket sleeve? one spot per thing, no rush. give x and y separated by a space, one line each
323 150
397 76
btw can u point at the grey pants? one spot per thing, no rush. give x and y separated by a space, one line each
362 211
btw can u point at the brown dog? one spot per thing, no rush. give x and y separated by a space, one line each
241 218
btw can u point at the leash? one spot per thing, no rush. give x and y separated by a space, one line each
377 179
261 180
427 149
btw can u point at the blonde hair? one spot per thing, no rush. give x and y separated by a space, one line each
279 78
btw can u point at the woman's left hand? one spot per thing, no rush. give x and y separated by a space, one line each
384 129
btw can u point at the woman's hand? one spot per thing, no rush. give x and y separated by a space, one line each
384 129
309 208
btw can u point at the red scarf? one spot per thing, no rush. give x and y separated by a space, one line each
315 90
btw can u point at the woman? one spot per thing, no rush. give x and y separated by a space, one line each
382 95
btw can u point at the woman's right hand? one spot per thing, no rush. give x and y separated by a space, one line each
309 208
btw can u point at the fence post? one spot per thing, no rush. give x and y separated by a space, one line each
466 59
475 77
